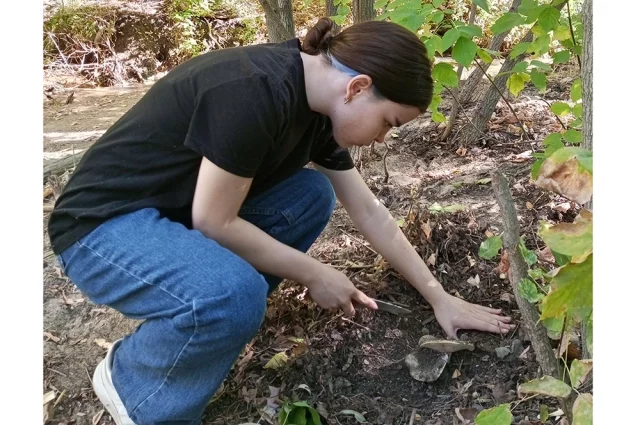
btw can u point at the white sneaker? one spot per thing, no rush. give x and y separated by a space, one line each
104 389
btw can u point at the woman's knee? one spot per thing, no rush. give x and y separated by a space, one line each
321 193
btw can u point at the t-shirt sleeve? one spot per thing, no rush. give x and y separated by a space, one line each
235 124
333 157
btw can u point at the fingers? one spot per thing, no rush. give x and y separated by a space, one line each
489 309
349 310
361 298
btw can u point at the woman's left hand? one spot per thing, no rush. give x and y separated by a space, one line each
454 314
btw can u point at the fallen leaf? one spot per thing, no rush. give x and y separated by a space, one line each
49 397
432 260
563 207
304 387
546 385
503 265
299 349
97 417
466 415
529 205
103 343
462 151
489 233
475 281
277 361
456 374
426 228
357 415
579 371
546 255
484 181
507 297
51 337
472 261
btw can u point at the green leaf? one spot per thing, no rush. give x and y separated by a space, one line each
536 273
583 410
572 239
438 117
379 4
520 66
486 57
470 30
561 259
277 361
414 22
529 291
576 90
499 415
544 413
561 108
572 292
546 385
577 110
554 327
436 100
342 10
464 51
484 181
445 74
528 255
433 45
548 18
506 22
540 65
584 157
489 248
579 371
355 414
400 222
573 136
562 56
298 416
454 208
539 80
535 168
552 138
534 13
483 4
519 49
541 44
516 82
562 33
449 38
437 3
589 333
340 20
438 16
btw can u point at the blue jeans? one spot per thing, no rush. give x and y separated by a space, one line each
201 302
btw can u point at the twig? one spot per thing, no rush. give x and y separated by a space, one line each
573 37
557 117
413 416
525 132
58 48
357 324
384 164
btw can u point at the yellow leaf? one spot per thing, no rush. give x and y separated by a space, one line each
277 361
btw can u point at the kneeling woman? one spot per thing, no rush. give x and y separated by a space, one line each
197 203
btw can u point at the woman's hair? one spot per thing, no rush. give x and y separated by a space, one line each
394 57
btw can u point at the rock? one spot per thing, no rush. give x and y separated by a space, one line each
517 347
444 345
503 352
426 365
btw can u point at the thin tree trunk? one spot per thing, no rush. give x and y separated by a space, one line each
587 110
470 85
279 17
362 10
455 106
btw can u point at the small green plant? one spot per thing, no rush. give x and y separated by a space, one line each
298 413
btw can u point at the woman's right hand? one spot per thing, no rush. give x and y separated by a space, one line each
330 289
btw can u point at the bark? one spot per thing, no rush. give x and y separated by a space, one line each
58 167
470 85
279 17
362 10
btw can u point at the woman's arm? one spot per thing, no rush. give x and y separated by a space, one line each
218 197
377 225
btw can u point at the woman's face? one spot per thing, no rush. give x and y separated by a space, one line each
366 118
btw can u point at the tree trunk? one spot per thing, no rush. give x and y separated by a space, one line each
57 167
483 113
279 17
454 91
362 11
469 87
332 10
587 110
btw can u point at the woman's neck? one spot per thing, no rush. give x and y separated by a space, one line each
323 83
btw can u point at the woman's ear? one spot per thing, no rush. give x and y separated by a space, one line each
358 85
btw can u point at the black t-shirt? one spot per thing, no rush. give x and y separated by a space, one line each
245 109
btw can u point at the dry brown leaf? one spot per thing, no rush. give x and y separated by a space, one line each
48 397
563 207
48 191
456 374
426 228
546 255
51 337
475 281
299 349
472 261
529 205
97 417
432 260
103 343
503 266
507 297
462 151
489 233
277 361
566 179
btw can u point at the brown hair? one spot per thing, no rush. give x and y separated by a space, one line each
394 57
